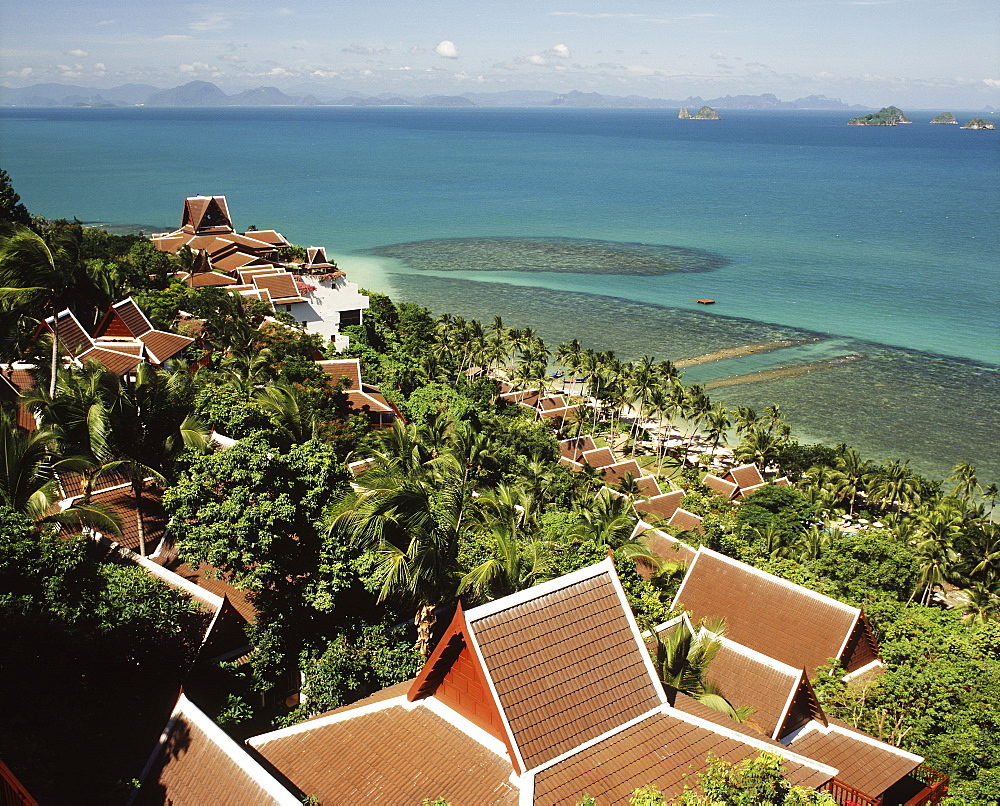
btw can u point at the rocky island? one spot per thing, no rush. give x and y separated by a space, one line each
945 117
705 113
979 123
888 116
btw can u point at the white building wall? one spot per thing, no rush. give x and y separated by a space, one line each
321 314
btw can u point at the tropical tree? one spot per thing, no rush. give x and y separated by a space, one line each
682 661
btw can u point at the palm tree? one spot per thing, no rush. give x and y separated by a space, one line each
717 423
608 523
983 603
29 465
289 409
759 445
682 660
414 523
517 562
893 485
745 419
35 276
966 483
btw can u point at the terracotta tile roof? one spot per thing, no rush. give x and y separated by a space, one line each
118 363
71 334
196 763
368 398
208 577
575 447
344 368
746 677
784 621
721 486
689 705
863 762
249 271
232 261
281 286
782 482
163 346
206 212
122 502
391 755
73 484
205 278
316 259
745 476
615 474
666 547
552 402
127 346
268 236
132 317
685 521
648 486
553 415
662 750
18 379
565 661
570 463
599 457
661 507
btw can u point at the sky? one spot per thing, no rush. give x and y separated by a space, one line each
917 53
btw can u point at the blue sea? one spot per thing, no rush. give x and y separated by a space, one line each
875 249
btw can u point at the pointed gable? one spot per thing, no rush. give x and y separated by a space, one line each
73 339
565 662
205 213
745 477
788 622
727 489
574 448
660 507
125 319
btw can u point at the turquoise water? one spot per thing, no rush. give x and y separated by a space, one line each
876 241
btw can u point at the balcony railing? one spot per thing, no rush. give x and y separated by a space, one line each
847 795
935 786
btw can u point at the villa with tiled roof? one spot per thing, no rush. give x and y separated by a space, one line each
363 398
536 698
784 621
250 264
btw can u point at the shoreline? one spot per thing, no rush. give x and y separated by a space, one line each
737 352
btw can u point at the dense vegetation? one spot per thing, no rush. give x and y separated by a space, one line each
887 116
465 502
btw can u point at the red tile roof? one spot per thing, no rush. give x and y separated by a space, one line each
392 754
721 486
745 476
615 474
574 448
566 662
72 336
121 501
196 763
685 521
202 213
281 287
666 547
648 486
118 363
863 762
661 507
599 457
343 368
163 346
770 615
662 750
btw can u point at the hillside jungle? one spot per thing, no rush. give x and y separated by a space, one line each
465 502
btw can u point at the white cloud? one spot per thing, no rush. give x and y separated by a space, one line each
365 50
100 66
718 55
172 37
105 22
77 52
558 51
446 49
213 22
992 83
535 59
24 71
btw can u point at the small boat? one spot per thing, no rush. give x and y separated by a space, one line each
706 302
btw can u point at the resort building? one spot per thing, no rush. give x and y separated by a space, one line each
540 697
251 264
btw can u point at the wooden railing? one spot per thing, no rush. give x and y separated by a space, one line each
847 795
935 786
12 792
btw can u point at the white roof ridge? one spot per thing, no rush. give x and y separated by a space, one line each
843 730
233 751
760 744
760 657
329 719
537 591
773 577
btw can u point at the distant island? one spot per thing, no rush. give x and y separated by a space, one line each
705 113
979 123
887 116
205 93
945 117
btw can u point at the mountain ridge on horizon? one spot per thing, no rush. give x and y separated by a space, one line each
205 93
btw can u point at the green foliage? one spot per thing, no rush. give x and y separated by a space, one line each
352 667
867 565
100 647
937 696
887 116
11 209
751 782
